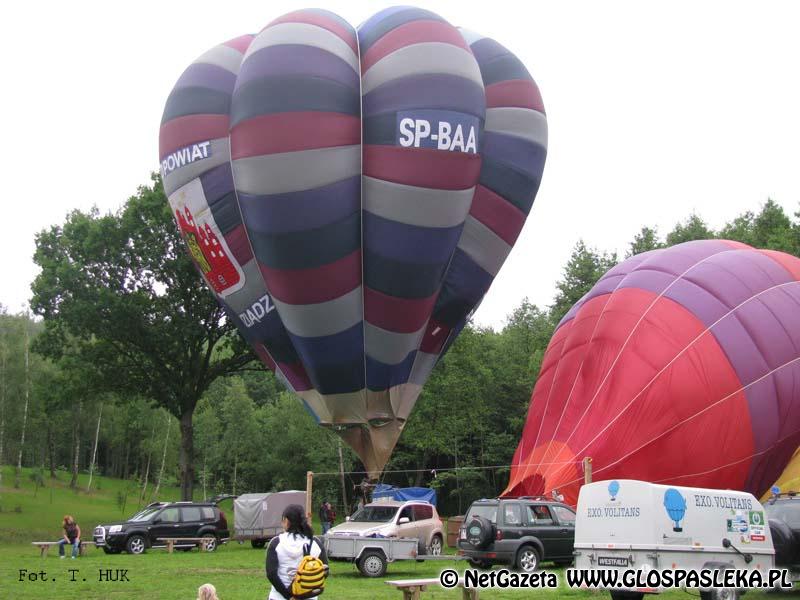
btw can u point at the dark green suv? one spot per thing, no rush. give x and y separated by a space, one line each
521 532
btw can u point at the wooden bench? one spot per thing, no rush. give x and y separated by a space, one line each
412 588
45 546
203 542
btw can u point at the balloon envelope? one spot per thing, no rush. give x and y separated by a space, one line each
680 366
349 196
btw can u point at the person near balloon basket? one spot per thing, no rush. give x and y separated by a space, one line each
326 516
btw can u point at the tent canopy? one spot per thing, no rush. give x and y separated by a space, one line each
403 494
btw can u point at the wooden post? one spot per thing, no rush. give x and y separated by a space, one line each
309 486
345 509
587 470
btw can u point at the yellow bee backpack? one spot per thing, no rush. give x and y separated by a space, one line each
309 581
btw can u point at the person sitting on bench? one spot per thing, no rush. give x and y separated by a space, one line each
72 536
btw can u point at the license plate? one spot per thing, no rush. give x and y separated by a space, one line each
612 561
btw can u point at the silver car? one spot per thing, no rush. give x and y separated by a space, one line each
390 518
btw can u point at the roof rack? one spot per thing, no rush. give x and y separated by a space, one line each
783 495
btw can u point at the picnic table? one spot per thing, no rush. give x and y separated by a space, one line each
412 588
45 546
204 542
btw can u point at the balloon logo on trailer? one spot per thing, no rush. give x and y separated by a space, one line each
675 505
613 490
350 195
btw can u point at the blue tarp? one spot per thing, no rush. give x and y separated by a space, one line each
402 494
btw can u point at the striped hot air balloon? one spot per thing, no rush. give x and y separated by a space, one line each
681 366
349 196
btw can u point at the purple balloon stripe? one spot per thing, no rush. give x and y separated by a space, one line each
299 211
208 76
485 49
525 156
217 182
296 59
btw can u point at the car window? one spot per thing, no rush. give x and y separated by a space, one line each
788 512
539 515
512 514
487 511
144 515
565 515
190 513
170 515
407 512
375 514
208 513
422 512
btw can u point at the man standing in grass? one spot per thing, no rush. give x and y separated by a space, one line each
72 536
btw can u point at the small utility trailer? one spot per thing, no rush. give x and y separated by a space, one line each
372 555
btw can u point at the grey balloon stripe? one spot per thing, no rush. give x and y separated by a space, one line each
296 171
220 154
470 36
224 57
423 207
323 318
388 347
483 246
421 59
524 123
309 35
423 365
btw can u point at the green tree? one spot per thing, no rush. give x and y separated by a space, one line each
694 228
124 288
773 229
583 270
644 241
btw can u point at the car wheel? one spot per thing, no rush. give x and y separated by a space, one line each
211 542
108 550
258 543
527 559
480 532
136 545
435 548
372 564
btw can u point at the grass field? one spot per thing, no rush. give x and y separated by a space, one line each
235 569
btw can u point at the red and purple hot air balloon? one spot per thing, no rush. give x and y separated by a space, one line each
681 366
349 196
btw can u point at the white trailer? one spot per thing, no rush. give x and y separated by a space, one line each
629 524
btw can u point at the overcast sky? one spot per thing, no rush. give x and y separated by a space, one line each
655 110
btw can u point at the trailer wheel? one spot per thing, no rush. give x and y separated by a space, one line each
258 543
372 564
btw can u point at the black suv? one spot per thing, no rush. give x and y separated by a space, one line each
161 520
518 531
783 513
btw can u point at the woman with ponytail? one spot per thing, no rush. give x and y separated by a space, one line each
286 551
